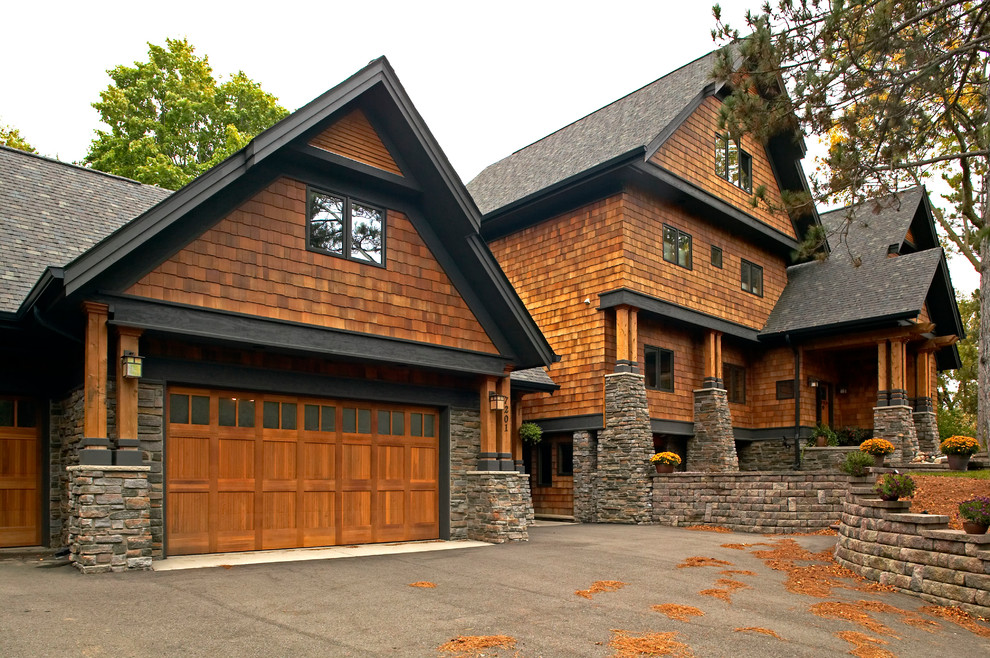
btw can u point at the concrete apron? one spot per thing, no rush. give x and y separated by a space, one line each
302 554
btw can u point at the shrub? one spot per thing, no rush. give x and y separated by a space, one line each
853 436
959 445
831 438
856 463
666 458
892 486
952 422
976 510
530 433
877 447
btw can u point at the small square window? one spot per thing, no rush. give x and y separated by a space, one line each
752 278
785 389
676 246
341 226
178 409
659 368
735 383
717 257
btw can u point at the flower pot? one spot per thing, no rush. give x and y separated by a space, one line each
973 528
878 460
821 441
888 498
958 462
664 468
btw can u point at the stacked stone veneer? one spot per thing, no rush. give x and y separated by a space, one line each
828 458
765 455
500 507
622 484
916 553
767 502
109 526
151 410
713 448
926 429
896 424
585 451
465 447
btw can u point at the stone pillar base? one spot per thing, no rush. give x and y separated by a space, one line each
623 486
713 448
895 423
109 518
499 506
926 428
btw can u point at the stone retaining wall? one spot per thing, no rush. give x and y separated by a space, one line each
915 553
828 458
500 507
765 455
765 502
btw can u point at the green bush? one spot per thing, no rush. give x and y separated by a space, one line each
856 463
530 433
954 422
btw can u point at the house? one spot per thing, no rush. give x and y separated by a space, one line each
681 319
310 344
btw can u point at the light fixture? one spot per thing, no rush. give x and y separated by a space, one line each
131 365
496 401
812 382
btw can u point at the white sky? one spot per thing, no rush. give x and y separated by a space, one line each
488 78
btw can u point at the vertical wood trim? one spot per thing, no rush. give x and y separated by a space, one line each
488 438
897 364
883 383
95 381
504 420
127 389
718 355
622 333
708 354
517 421
633 346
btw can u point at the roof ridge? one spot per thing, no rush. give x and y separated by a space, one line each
79 167
607 105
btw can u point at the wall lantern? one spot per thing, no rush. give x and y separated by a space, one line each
131 365
812 382
496 401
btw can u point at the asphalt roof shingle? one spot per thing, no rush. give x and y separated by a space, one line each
875 225
51 212
632 121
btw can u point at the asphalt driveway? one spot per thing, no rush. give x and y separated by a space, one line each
365 606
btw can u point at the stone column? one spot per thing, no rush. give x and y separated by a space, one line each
713 448
926 429
622 480
895 423
499 506
110 520
585 448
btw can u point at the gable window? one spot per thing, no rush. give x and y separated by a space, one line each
732 163
676 246
716 257
659 369
735 382
341 226
752 278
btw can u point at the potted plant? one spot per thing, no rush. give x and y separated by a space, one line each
857 463
891 486
976 515
825 436
530 433
879 448
665 461
959 449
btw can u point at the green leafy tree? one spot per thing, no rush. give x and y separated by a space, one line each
10 136
897 88
170 120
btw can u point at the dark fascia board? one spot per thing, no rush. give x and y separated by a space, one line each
582 423
51 279
785 433
838 327
237 377
927 222
672 427
752 225
391 183
534 387
948 359
669 311
712 89
559 197
239 329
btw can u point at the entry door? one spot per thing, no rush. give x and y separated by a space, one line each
823 414
20 473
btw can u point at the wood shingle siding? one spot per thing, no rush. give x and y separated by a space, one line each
354 137
255 261
690 153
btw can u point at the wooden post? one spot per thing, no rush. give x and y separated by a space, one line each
898 392
634 339
517 444
504 421
127 389
883 383
712 355
95 381
488 459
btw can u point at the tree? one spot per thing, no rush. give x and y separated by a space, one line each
169 120
10 136
957 390
898 88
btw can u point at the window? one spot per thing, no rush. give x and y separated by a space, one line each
26 413
676 246
544 477
319 418
732 163
659 369
735 383
785 389
391 422
341 226
716 257
565 458
236 412
752 278
189 409
279 415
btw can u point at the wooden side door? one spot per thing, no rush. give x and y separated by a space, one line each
20 472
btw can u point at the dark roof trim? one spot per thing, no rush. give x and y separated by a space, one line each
770 433
668 130
51 276
236 328
531 386
570 423
674 427
851 325
391 182
669 311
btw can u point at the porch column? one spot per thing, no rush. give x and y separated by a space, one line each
517 444
488 457
712 354
893 418
883 385
898 367
626 339
128 447
95 446
504 426
925 424
713 447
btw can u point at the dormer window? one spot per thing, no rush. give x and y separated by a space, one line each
893 250
732 163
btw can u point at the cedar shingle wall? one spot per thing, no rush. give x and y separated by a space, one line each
353 137
255 261
555 265
703 288
688 368
558 498
690 154
761 395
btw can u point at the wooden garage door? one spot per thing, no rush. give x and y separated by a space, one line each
20 474
250 472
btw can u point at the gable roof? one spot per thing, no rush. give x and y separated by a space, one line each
51 212
631 123
875 225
